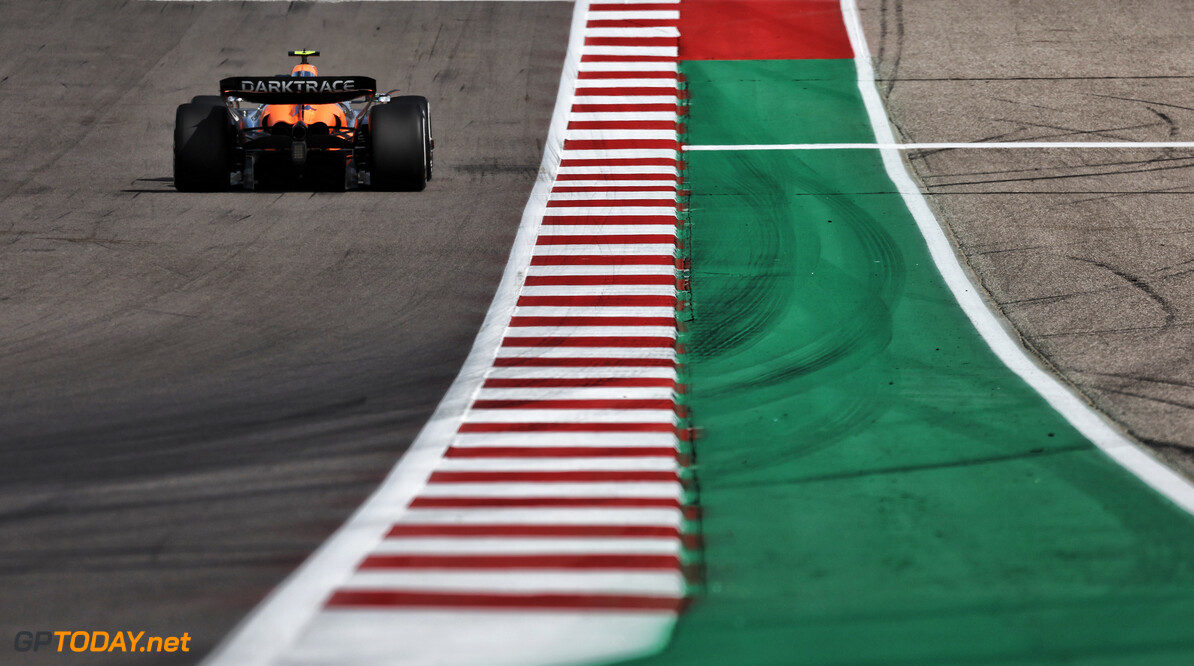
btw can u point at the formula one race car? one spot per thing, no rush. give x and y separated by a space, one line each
326 132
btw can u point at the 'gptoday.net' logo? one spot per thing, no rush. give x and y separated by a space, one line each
98 641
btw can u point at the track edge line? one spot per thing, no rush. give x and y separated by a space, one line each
1074 408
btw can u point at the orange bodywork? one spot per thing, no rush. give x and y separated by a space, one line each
329 114
292 114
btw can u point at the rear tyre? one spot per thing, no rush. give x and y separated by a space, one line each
398 146
208 100
429 140
202 148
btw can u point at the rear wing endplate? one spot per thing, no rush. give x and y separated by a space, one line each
298 89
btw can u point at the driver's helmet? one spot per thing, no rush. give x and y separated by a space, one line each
304 69
329 114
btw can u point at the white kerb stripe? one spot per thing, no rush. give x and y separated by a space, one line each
523 546
633 15
637 31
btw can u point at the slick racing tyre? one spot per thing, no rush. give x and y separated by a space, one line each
429 140
202 148
398 145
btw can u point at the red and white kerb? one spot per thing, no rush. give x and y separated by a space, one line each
554 529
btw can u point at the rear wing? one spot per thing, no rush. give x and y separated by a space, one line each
298 89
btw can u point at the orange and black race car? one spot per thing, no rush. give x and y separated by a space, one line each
325 132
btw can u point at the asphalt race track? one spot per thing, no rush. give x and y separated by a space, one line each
198 388
1086 251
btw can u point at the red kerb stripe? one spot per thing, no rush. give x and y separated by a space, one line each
632 41
625 108
517 322
621 161
618 176
633 23
421 599
566 427
620 341
604 260
664 125
610 239
658 403
599 189
583 280
635 7
545 502
583 363
592 57
661 74
577 476
629 301
594 202
561 561
561 452
403 530
626 91
621 144
575 220
579 382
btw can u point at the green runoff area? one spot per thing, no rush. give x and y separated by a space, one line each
876 486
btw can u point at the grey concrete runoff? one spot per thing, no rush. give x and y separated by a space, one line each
196 389
1088 252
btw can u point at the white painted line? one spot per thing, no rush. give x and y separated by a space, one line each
653 51
633 15
660 490
664 197
610 100
593 331
1093 425
628 66
659 86
544 516
608 311
597 290
641 464
637 31
606 116
608 229
1006 145
618 169
668 209
621 154
532 415
616 133
613 372
576 439
523 546
663 583
581 352
605 249
611 269
605 183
